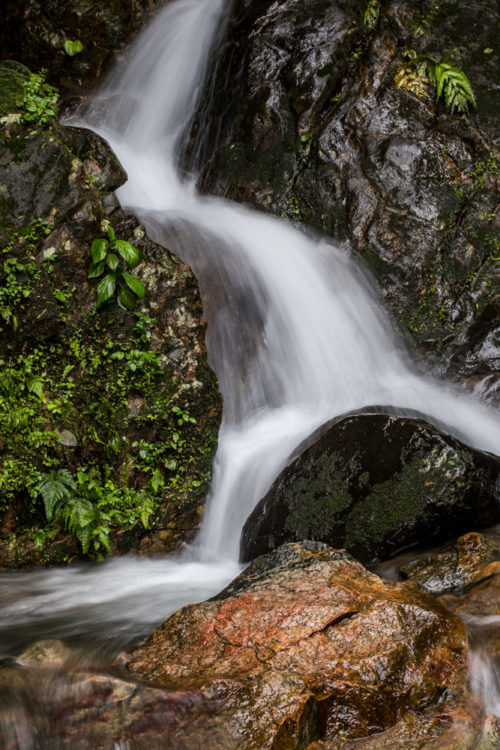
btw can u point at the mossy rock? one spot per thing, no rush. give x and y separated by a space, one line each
122 404
13 76
375 483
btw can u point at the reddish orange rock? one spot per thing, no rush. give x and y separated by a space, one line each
307 644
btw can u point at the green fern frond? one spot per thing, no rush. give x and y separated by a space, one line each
85 537
35 385
371 14
453 84
146 510
421 22
78 513
449 81
55 488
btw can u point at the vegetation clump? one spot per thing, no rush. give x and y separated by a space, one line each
106 260
424 73
39 101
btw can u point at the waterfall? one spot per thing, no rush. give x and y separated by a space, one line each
296 337
300 338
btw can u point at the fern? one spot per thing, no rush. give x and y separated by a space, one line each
35 385
422 21
146 510
55 489
448 80
453 84
78 513
371 14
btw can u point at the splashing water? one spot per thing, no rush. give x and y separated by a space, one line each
295 336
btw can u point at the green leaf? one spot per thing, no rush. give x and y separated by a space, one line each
111 233
105 289
72 47
35 385
128 252
488 51
126 299
134 283
95 270
55 488
112 261
99 250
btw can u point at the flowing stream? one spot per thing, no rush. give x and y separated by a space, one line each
296 337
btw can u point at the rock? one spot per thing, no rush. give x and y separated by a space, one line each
482 599
68 439
302 117
93 393
305 649
48 653
35 33
376 483
306 645
472 558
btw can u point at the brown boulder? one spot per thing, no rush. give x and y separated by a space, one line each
471 559
305 644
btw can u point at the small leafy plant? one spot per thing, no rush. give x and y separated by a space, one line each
371 14
422 22
90 509
110 257
39 102
72 47
449 82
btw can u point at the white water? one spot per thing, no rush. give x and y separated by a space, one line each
295 336
319 344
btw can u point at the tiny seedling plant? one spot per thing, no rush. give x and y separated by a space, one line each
110 259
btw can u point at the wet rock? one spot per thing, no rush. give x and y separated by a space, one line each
311 126
472 558
35 33
305 645
96 390
376 483
47 653
482 599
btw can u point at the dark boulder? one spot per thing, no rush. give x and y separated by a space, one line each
376 483
303 117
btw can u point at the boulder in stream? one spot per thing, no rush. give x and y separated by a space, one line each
305 649
375 483
307 644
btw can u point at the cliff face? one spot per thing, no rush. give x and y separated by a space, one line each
326 113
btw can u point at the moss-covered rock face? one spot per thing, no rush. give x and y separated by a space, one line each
35 32
376 483
108 417
315 128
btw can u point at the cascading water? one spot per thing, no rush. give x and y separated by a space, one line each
319 344
295 337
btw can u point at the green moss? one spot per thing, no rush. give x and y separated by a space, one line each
403 501
312 513
13 76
